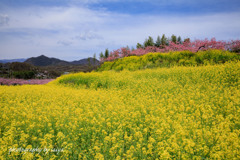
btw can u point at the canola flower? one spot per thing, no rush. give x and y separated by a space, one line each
163 113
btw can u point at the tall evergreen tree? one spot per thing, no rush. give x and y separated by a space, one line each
174 38
164 40
101 55
145 43
106 53
179 39
139 46
158 41
149 42
94 59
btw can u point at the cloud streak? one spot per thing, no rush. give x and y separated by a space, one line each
88 35
4 19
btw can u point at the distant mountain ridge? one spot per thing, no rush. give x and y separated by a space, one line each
43 60
12 60
86 61
46 61
45 67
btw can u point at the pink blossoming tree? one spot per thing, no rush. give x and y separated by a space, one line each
193 46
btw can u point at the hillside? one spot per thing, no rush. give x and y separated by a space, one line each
176 105
45 61
45 67
162 113
170 59
86 61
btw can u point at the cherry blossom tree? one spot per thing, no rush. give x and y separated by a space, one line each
187 45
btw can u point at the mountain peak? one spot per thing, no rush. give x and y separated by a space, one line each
43 60
42 56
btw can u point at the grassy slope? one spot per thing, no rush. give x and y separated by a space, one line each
179 58
178 112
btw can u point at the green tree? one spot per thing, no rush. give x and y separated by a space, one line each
101 55
179 39
164 40
139 46
174 38
149 42
94 59
158 41
89 63
106 53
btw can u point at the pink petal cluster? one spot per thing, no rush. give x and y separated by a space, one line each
233 46
194 47
5 81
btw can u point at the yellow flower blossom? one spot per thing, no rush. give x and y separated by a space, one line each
162 113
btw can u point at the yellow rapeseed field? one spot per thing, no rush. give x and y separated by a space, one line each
164 113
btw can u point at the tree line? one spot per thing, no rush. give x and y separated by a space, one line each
161 42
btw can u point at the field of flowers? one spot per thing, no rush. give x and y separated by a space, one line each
162 113
6 81
170 59
191 46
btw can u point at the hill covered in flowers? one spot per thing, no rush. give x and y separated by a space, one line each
170 59
174 105
170 46
162 113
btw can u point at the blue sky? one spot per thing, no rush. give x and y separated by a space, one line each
76 29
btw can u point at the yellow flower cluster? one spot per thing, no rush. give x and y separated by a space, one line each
164 113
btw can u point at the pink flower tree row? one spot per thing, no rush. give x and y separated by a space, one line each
194 46
5 81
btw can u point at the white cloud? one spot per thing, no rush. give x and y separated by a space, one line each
67 32
88 35
53 17
64 43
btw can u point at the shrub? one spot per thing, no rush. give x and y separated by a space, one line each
24 74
